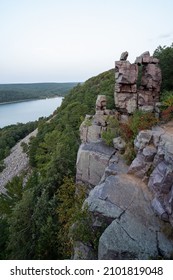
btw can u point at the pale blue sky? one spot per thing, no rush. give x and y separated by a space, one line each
73 40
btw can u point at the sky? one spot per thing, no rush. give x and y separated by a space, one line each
73 40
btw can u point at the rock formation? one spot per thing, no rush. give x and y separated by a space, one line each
127 96
134 202
154 165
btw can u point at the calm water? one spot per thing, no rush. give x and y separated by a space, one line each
24 112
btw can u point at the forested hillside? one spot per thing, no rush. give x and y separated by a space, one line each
18 92
31 226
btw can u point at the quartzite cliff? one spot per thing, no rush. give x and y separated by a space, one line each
134 201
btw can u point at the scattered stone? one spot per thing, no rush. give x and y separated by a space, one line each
16 162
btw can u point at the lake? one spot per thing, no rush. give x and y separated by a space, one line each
26 111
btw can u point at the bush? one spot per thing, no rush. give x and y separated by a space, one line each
167 98
108 137
113 130
141 121
167 114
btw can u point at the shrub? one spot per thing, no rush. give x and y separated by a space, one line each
141 120
167 98
129 154
113 130
69 205
167 114
108 136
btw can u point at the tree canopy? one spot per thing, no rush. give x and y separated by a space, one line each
165 55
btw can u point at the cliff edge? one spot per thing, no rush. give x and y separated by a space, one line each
133 201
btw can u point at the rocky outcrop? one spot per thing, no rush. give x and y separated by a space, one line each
127 96
134 204
134 232
92 160
133 201
93 155
16 162
154 165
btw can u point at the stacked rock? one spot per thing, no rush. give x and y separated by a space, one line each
125 88
127 97
149 90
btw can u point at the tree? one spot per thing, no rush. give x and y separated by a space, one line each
165 55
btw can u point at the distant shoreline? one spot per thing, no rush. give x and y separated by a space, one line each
27 100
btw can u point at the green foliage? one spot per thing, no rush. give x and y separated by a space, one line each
84 230
3 237
129 154
13 194
21 92
88 122
24 147
21 239
140 121
2 165
167 114
167 98
69 204
165 55
35 226
113 130
108 137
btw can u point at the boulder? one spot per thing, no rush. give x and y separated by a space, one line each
124 56
101 102
161 178
143 139
139 167
119 194
133 231
143 58
125 72
151 77
83 252
130 239
126 102
148 153
168 150
159 209
119 144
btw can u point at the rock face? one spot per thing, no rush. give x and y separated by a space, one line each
134 231
133 203
154 165
92 160
125 90
127 96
